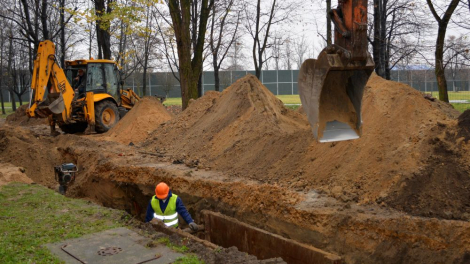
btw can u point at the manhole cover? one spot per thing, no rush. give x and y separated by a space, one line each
109 251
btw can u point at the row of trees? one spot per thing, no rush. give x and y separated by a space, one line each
188 36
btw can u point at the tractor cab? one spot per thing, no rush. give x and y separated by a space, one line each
102 76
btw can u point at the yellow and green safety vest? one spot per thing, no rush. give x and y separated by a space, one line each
170 216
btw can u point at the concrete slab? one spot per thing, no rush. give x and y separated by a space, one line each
119 245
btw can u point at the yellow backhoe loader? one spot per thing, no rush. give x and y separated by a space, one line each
331 86
100 101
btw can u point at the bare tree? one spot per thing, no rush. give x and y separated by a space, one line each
440 41
223 32
276 50
168 42
397 29
300 49
236 55
260 18
288 54
456 57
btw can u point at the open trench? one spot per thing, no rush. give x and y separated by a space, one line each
355 233
320 227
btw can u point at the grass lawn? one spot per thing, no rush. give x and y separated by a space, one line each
32 215
8 109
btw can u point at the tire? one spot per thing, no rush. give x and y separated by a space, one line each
106 116
73 128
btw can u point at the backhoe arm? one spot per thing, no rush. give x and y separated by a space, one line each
47 75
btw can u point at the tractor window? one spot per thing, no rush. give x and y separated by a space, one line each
94 78
111 81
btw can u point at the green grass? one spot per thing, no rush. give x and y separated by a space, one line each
189 259
166 241
172 101
289 99
32 215
461 107
8 109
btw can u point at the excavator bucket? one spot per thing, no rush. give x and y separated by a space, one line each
331 87
56 105
331 90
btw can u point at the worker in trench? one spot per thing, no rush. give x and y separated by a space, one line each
165 206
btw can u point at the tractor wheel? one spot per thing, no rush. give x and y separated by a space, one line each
106 116
73 128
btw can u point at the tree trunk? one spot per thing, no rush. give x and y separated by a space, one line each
62 32
216 74
439 53
190 69
102 30
377 44
440 70
9 70
45 30
328 23
144 81
1 70
146 57
200 90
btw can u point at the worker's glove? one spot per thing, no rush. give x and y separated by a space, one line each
193 226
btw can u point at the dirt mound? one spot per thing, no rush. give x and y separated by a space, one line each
10 173
246 132
237 127
142 119
20 118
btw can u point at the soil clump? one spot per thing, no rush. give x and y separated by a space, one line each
10 173
20 118
142 119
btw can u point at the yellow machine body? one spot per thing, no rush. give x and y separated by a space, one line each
54 96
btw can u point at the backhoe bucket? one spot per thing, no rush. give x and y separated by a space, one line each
56 106
331 89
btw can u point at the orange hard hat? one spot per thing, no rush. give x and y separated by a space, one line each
162 190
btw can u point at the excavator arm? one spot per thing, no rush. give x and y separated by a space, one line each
49 77
331 87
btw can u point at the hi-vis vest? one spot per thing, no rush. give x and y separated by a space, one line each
170 216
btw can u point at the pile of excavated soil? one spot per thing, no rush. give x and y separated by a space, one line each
142 119
20 118
10 173
464 125
246 132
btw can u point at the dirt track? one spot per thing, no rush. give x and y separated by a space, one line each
242 153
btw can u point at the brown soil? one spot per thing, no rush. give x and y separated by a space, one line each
247 133
464 125
141 120
20 118
10 173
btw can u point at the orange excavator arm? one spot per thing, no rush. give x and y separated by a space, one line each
331 87
48 76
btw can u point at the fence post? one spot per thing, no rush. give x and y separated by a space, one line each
277 82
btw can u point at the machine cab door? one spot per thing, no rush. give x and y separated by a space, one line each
102 78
